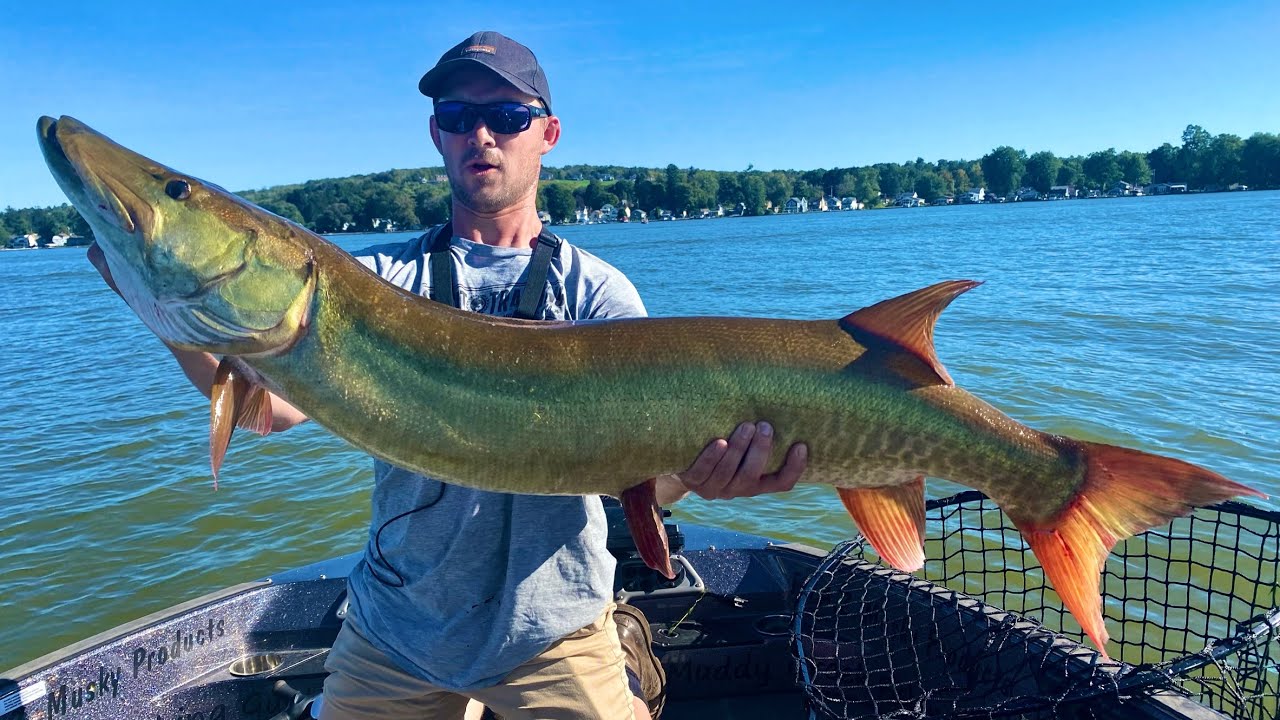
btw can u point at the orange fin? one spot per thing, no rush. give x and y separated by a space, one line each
234 401
892 520
256 415
225 397
644 519
1124 492
904 326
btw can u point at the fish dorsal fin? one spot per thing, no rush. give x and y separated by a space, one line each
905 325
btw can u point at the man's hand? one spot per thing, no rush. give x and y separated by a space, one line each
736 467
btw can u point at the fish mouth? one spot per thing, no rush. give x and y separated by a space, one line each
59 142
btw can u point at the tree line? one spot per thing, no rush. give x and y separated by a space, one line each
414 198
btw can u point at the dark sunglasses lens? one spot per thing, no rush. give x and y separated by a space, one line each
508 118
455 117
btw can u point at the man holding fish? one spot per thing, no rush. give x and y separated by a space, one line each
472 594
496 585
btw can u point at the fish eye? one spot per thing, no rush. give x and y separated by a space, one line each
178 189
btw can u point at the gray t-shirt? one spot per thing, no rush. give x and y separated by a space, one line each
461 586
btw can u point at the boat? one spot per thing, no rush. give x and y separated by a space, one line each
749 628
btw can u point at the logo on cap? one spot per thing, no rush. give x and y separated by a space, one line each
488 49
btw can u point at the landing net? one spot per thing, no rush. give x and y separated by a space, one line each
1191 608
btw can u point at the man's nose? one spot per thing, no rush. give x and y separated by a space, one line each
481 135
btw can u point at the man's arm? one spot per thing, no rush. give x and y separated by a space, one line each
735 467
200 367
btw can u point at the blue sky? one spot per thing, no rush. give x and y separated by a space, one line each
249 95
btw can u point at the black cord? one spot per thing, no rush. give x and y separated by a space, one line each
377 542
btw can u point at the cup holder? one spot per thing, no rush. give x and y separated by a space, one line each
774 625
250 665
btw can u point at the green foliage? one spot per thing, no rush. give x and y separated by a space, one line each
1260 160
891 178
868 186
1102 168
433 208
754 194
704 189
558 201
1003 168
1134 167
284 209
624 190
1042 171
929 186
1163 162
54 221
1071 172
594 196
19 221
1223 159
777 188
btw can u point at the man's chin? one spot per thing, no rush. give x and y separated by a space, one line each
486 201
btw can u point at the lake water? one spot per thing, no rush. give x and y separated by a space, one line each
1150 322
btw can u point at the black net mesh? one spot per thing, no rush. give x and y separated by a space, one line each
1191 607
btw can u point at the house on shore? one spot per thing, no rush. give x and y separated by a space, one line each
24 242
1063 192
796 205
975 195
908 199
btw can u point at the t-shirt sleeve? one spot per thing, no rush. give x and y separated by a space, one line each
616 297
368 257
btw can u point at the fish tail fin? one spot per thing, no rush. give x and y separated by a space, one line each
1124 492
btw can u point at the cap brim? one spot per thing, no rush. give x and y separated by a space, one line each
431 82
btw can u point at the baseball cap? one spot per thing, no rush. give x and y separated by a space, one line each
511 61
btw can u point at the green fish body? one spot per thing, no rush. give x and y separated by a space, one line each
597 407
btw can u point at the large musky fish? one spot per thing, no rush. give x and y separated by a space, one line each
597 407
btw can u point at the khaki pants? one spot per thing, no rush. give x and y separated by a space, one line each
581 677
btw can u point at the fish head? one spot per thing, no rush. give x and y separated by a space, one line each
204 269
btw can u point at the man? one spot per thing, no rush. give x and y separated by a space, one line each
467 594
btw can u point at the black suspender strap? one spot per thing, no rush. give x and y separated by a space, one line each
535 285
444 281
441 265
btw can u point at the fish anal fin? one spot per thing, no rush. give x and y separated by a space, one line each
1123 492
892 520
644 519
903 326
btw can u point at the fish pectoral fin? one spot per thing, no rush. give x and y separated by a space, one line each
902 327
892 520
234 401
1123 492
225 398
644 519
256 414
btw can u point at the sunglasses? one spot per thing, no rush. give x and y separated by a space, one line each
506 118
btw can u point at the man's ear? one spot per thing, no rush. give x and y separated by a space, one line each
435 135
550 133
